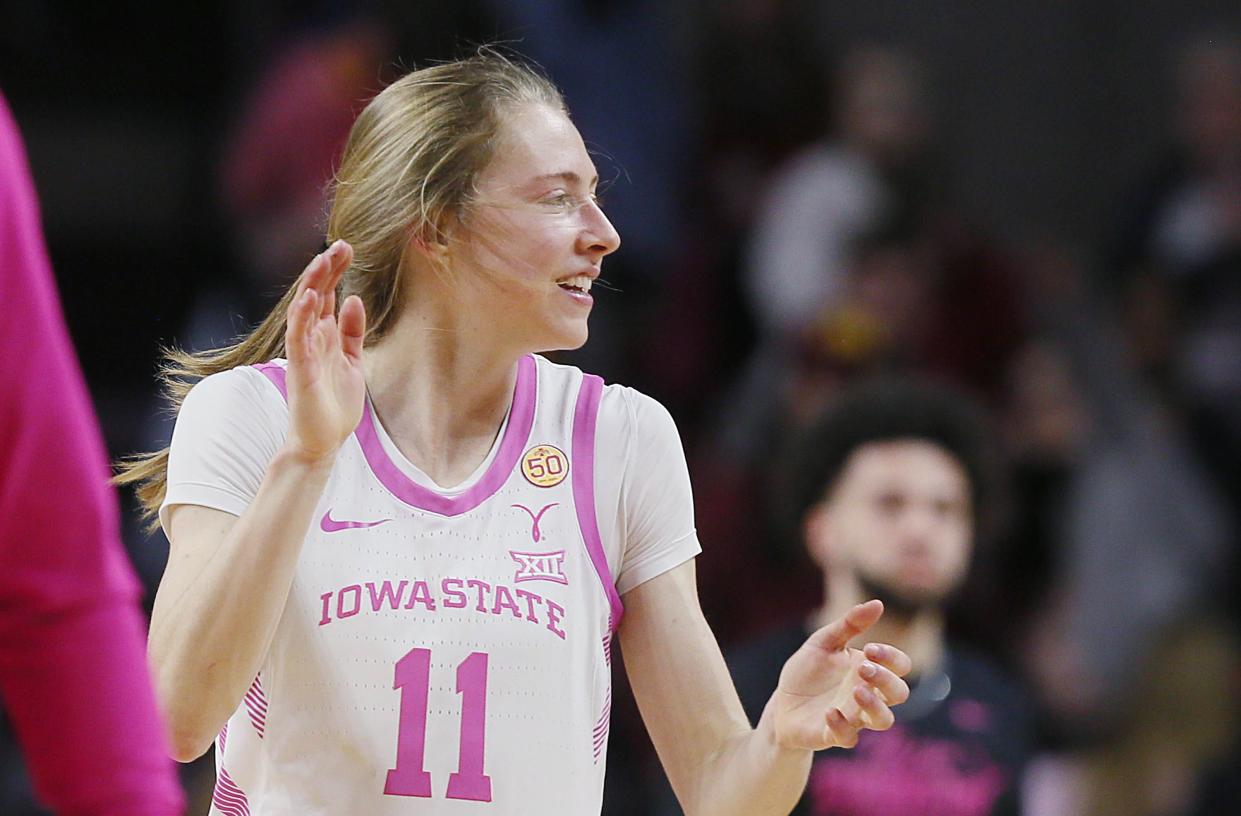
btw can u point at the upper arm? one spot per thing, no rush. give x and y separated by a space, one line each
655 502
228 430
679 678
674 663
195 533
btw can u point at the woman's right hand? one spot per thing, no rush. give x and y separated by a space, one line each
325 383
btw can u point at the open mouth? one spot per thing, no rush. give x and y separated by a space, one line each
579 285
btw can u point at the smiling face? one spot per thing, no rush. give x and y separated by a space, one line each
898 522
535 237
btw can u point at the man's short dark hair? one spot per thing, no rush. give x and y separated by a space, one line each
888 410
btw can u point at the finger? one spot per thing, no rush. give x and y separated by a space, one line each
313 298
837 634
873 713
313 271
339 256
889 656
296 336
352 326
893 689
341 252
840 731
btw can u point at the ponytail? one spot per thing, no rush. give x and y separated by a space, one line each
181 370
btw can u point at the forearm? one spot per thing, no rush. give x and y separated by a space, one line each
212 625
717 763
752 775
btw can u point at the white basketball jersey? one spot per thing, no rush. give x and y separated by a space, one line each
441 654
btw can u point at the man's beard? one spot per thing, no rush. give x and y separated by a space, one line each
897 603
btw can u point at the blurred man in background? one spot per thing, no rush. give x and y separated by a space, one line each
891 484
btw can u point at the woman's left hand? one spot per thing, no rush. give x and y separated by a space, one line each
828 692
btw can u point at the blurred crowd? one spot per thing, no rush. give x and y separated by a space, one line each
794 221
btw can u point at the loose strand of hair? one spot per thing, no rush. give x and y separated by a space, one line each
179 373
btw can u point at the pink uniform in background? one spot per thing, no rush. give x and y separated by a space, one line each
73 674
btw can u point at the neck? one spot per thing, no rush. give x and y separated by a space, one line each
920 635
441 391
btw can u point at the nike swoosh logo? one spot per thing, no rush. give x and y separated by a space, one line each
330 525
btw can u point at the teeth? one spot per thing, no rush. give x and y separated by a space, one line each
579 282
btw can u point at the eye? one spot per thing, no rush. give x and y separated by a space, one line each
560 199
951 508
889 504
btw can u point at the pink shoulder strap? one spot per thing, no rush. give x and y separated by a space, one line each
277 375
585 420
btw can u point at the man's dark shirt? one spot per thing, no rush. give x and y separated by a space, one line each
957 749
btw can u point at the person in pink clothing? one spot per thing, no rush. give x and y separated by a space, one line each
73 675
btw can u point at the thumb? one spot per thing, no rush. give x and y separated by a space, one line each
837 634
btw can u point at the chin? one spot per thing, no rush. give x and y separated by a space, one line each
901 599
569 340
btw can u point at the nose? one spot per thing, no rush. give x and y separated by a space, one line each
918 524
598 236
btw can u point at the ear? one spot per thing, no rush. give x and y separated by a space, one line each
430 246
817 534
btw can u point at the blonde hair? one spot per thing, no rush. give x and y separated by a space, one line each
408 171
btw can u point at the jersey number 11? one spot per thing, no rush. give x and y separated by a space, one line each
410 777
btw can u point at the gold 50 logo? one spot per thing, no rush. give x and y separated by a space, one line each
544 465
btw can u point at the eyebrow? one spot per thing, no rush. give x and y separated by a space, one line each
568 176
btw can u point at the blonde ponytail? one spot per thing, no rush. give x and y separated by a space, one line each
180 371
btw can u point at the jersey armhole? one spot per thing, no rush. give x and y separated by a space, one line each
585 424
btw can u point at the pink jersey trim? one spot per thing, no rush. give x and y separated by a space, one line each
256 705
227 797
521 420
603 724
599 737
585 418
277 375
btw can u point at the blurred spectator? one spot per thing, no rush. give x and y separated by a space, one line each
889 485
289 138
73 675
855 265
759 94
909 302
1134 539
873 167
1176 266
1144 533
910 299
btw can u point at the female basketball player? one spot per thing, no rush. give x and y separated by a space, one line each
401 542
